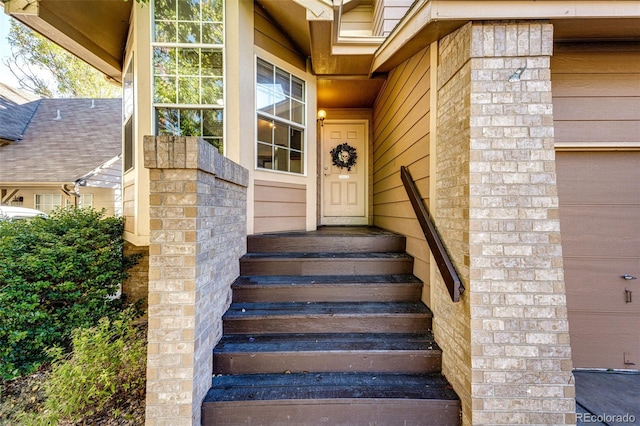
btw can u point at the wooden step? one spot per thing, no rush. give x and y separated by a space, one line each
328 327
344 352
331 398
326 264
327 288
327 317
353 239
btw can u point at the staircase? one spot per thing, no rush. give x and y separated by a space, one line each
327 327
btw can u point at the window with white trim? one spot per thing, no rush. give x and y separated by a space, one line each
280 111
84 201
188 69
48 202
127 117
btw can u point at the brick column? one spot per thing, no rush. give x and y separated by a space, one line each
506 344
198 233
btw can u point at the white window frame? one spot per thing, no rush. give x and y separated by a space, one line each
49 203
128 116
304 127
84 201
195 107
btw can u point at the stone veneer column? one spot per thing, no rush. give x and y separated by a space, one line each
506 343
198 233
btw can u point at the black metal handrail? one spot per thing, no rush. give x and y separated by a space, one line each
448 271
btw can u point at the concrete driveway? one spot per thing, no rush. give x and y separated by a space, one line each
607 397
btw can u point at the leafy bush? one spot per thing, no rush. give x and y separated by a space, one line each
56 275
101 381
107 366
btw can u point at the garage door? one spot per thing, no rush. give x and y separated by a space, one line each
600 223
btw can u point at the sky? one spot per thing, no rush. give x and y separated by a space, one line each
5 51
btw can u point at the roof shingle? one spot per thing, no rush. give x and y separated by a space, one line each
87 134
16 109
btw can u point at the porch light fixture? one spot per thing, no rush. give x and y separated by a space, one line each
516 75
322 114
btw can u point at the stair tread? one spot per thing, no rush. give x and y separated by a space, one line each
249 280
325 255
356 346
301 386
349 309
313 342
332 232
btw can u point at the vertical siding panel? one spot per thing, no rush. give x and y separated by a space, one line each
401 138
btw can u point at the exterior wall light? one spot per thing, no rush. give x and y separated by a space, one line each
322 114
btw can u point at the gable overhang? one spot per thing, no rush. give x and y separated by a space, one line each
350 68
95 31
341 60
429 20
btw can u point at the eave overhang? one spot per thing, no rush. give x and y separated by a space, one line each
429 20
95 31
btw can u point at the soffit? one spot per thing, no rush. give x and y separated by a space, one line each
292 19
342 64
427 21
96 31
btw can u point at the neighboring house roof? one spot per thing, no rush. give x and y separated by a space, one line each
16 109
65 140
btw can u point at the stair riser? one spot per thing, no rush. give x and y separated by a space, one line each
327 324
336 361
359 353
328 266
329 293
343 244
335 412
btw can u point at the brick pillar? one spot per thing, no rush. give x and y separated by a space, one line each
506 344
197 234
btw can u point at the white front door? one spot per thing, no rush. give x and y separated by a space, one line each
344 173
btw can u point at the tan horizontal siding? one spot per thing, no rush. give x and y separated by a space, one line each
279 207
603 108
401 138
595 62
590 85
597 131
128 206
596 94
388 13
359 20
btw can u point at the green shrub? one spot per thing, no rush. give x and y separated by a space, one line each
56 275
107 366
